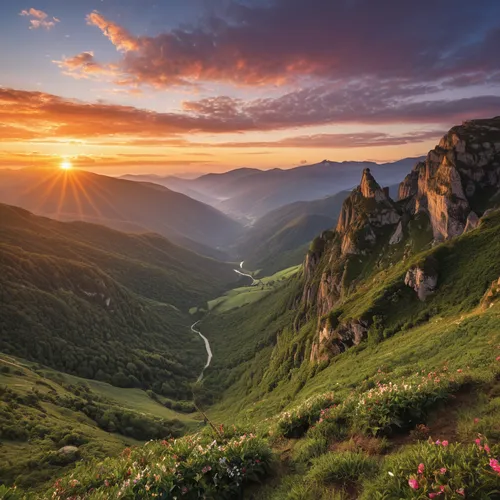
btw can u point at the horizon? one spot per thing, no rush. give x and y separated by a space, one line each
192 88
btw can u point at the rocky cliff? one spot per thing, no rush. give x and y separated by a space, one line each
445 195
458 179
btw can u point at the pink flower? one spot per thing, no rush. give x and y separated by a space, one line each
498 358
434 495
487 448
413 484
461 492
476 420
443 470
438 442
445 443
478 441
421 468
495 465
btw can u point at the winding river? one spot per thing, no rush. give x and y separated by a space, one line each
207 346
207 343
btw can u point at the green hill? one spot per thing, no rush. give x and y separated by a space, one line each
280 239
101 304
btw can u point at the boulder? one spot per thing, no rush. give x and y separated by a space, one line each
422 280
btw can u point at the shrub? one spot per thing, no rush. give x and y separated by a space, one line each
191 467
342 468
307 449
295 422
439 470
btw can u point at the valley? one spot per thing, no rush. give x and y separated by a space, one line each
124 355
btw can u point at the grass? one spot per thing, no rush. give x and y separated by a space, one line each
341 468
41 411
239 297
132 399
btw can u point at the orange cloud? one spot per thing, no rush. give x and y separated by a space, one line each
84 65
39 19
118 35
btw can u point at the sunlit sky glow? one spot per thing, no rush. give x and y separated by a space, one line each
150 86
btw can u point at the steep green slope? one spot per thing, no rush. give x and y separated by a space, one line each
101 304
147 263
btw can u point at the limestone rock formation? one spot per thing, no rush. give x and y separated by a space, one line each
423 279
458 177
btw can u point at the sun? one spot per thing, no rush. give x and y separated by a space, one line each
66 165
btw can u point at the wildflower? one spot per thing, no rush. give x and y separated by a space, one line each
206 469
443 470
391 474
413 484
445 443
487 448
476 420
421 468
434 495
461 492
495 465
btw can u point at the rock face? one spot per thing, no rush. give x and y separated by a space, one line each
492 295
442 197
422 280
457 178
334 341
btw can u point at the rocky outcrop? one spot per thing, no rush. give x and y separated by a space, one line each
398 235
423 278
409 187
334 341
442 197
492 295
457 178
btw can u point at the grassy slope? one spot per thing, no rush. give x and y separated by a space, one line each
239 297
467 266
32 460
148 263
100 304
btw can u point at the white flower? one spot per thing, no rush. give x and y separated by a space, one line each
390 474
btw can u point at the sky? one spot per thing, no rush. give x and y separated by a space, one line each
193 86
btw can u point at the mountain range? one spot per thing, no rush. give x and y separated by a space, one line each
248 194
120 204
369 371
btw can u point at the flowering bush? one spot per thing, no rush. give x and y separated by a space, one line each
439 470
295 422
191 467
385 407
402 405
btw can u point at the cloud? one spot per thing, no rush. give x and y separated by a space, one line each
37 115
39 19
341 141
84 65
118 36
285 41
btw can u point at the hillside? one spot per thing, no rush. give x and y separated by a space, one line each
281 238
249 194
120 204
103 304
